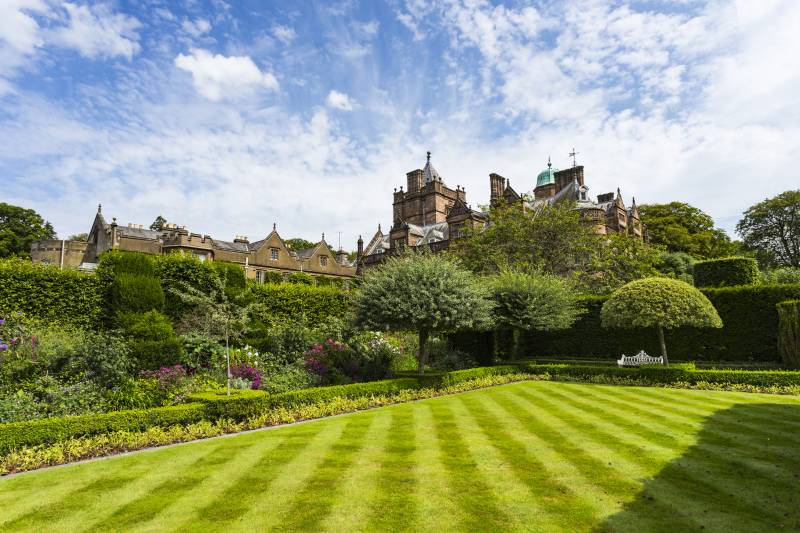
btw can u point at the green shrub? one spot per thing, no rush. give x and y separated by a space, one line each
50 294
152 340
115 262
134 293
329 281
300 278
233 274
789 332
291 301
726 272
271 276
31 433
173 270
785 275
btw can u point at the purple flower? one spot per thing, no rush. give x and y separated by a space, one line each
3 347
2 321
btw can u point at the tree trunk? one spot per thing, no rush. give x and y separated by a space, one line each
422 353
663 344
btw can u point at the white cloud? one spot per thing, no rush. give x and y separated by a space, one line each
18 29
97 31
341 101
285 34
196 28
217 77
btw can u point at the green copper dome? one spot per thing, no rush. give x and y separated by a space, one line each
546 176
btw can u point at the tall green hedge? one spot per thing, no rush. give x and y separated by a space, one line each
48 293
134 293
789 332
726 272
290 300
749 332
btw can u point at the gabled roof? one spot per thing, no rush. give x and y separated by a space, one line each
231 246
140 233
510 194
459 208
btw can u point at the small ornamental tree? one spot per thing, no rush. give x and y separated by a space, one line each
661 303
422 293
533 302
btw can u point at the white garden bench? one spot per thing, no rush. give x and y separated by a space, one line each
639 359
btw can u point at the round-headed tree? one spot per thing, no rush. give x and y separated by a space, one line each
533 302
423 293
660 303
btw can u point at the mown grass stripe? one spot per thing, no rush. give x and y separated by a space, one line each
213 485
537 459
690 473
66 511
615 474
356 492
232 508
675 402
310 506
392 506
505 474
479 508
183 481
433 497
766 449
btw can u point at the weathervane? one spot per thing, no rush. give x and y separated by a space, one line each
572 154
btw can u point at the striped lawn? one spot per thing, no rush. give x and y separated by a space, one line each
535 456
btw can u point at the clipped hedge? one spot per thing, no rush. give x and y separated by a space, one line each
48 293
749 332
789 332
726 272
291 300
242 404
49 430
135 293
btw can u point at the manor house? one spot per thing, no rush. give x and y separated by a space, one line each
429 213
269 254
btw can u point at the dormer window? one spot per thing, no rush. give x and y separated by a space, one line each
323 261
273 254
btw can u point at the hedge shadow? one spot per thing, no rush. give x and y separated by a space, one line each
743 474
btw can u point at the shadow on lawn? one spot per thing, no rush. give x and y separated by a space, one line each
743 474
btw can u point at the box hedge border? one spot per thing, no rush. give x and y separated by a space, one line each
243 404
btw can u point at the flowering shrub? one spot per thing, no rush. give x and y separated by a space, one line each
368 357
167 376
247 373
13 334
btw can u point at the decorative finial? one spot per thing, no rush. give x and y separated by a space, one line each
114 220
99 208
360 239
549 164
429 156
379 228
273 226
323 235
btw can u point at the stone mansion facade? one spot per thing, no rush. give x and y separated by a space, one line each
269 254
429 213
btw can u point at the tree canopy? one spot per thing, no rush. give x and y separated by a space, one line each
424 293
681 227
296 243
771 229
533 301
662 303
19 228
159 223
550 239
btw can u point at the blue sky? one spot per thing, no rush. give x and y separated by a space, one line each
227 117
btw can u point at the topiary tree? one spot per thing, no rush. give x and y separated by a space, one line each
422 293
533 302
662 303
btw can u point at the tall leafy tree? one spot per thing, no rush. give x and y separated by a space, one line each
680 227
19 228
615 260
423 293
159 223
549 239
296 243
771 229
533 302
